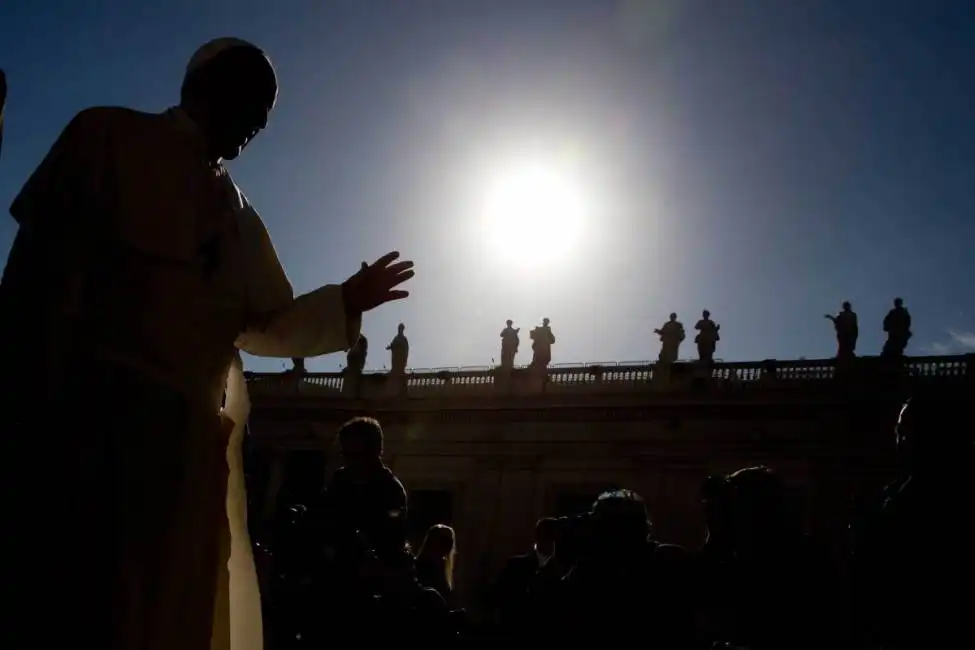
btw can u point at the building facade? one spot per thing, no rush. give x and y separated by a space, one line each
490 452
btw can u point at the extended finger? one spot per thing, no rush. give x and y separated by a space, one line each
386 259
396 295
399 267
399 278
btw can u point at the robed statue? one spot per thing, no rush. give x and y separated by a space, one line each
542 342
707 337
671 336
847 331
509 345
399 348
897 324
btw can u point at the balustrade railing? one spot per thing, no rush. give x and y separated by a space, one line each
599 377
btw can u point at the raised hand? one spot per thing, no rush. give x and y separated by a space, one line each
375 284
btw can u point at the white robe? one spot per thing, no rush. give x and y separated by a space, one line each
243 589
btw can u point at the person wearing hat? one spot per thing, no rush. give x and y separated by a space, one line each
138 271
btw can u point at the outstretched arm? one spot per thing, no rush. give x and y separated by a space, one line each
310 325
319 322
280 325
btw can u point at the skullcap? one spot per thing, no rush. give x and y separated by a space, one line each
209 51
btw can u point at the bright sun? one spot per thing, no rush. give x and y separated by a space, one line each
533 215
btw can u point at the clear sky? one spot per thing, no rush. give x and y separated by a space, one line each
765 160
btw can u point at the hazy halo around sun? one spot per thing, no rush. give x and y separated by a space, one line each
533 215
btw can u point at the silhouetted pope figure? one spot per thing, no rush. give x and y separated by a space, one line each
138 271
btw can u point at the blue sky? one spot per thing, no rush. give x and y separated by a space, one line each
762 159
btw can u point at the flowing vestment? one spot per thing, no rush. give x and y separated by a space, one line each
237 614
137 273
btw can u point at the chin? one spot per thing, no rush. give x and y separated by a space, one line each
232 153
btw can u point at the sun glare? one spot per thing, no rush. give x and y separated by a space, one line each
533 216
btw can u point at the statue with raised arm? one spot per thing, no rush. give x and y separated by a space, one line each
847 331
671 336
509 345
707 337
542 342
138 273
399 348
897 325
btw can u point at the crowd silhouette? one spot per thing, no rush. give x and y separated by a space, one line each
757 581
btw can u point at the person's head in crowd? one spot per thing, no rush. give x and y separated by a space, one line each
228 90
546 532
361 442
620 521
440 547
761 511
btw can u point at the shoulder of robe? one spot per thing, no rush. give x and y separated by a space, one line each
73 164
272 288
101 121
242 202
251 223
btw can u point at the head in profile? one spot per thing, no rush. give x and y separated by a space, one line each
438 550
361 443
228 91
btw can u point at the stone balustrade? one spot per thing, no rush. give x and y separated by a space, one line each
606 377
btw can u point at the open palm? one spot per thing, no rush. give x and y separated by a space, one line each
375 284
